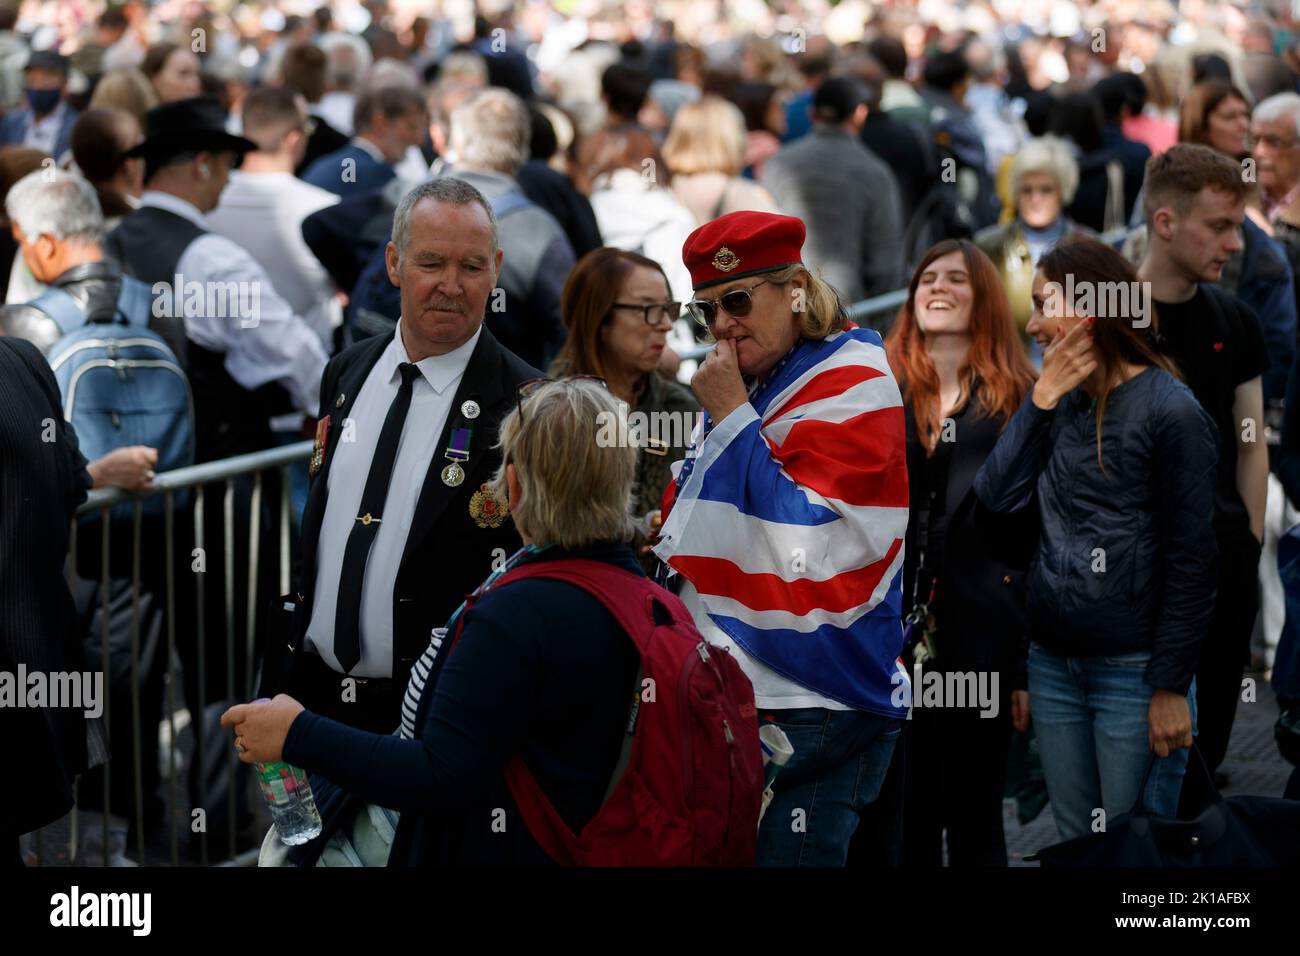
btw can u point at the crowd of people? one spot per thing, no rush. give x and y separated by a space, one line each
451 246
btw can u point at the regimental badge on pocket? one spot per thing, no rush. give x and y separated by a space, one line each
318 448
487 510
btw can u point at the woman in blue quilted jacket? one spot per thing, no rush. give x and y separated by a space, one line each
1119 459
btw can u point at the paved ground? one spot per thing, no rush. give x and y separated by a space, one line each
1253 764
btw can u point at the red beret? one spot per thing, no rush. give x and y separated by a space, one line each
741 244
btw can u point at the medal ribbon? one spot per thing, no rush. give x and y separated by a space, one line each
458 450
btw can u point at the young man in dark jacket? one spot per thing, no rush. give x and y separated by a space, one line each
1195 206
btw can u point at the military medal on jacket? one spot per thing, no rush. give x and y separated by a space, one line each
457 451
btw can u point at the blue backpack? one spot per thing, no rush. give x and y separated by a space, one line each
121 383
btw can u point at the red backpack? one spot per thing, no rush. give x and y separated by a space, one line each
688 786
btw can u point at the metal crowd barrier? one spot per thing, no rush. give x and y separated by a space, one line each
859 312
168 485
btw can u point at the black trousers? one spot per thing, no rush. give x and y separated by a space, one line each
947 774
956 767
1225 653
369 704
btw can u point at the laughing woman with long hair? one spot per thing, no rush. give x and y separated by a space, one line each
1118 459
963 372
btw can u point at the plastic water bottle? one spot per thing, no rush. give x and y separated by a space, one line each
288 794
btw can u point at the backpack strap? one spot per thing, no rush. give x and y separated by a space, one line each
608 584
510 201
134 303
61 308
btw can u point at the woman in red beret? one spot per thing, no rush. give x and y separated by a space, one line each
785 523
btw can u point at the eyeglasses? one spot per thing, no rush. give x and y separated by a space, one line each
533 384
1272 142
738 303
654 313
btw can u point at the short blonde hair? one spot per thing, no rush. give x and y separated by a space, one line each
822 312
126 89
574 490
1050 155
707 136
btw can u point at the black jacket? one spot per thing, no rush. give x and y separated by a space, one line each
978 558
447 553
42 482
93 285
1126 559
541 670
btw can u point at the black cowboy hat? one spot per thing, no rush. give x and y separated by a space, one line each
187 126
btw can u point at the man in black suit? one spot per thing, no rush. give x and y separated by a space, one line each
399 524
43 478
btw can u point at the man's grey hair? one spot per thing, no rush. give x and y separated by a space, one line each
347 60
55 203
448 189
491 130
1280 107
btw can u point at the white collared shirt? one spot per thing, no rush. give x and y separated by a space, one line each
361 143
259 334
43 133
264 212
431 399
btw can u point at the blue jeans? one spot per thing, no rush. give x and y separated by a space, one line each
1090 718
840 759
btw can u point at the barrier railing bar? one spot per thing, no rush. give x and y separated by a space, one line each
169 507
136 729
196 719
205 473
228 555
104 516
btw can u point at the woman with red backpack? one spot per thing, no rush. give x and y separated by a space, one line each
551 723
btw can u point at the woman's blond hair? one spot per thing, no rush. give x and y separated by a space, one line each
575 489
818 309
125 89
707 136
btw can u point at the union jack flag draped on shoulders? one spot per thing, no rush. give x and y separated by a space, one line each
791 518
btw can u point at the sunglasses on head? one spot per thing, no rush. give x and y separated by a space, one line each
533 384
738 303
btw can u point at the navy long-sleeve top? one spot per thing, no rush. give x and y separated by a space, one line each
541 670
1126 557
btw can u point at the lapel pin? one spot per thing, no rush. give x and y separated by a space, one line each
338 402
469 409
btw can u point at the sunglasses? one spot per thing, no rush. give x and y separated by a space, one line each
533 384
738 303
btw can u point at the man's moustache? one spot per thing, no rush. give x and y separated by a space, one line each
449 307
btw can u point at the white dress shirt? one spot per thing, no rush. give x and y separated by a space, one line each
272 344
431 398
263 212
43 133
336 108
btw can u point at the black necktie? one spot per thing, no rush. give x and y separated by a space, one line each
347 618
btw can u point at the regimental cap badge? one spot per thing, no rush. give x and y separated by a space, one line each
724 260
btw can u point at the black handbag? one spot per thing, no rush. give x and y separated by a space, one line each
1231 831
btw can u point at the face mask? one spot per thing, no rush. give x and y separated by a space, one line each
42 101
